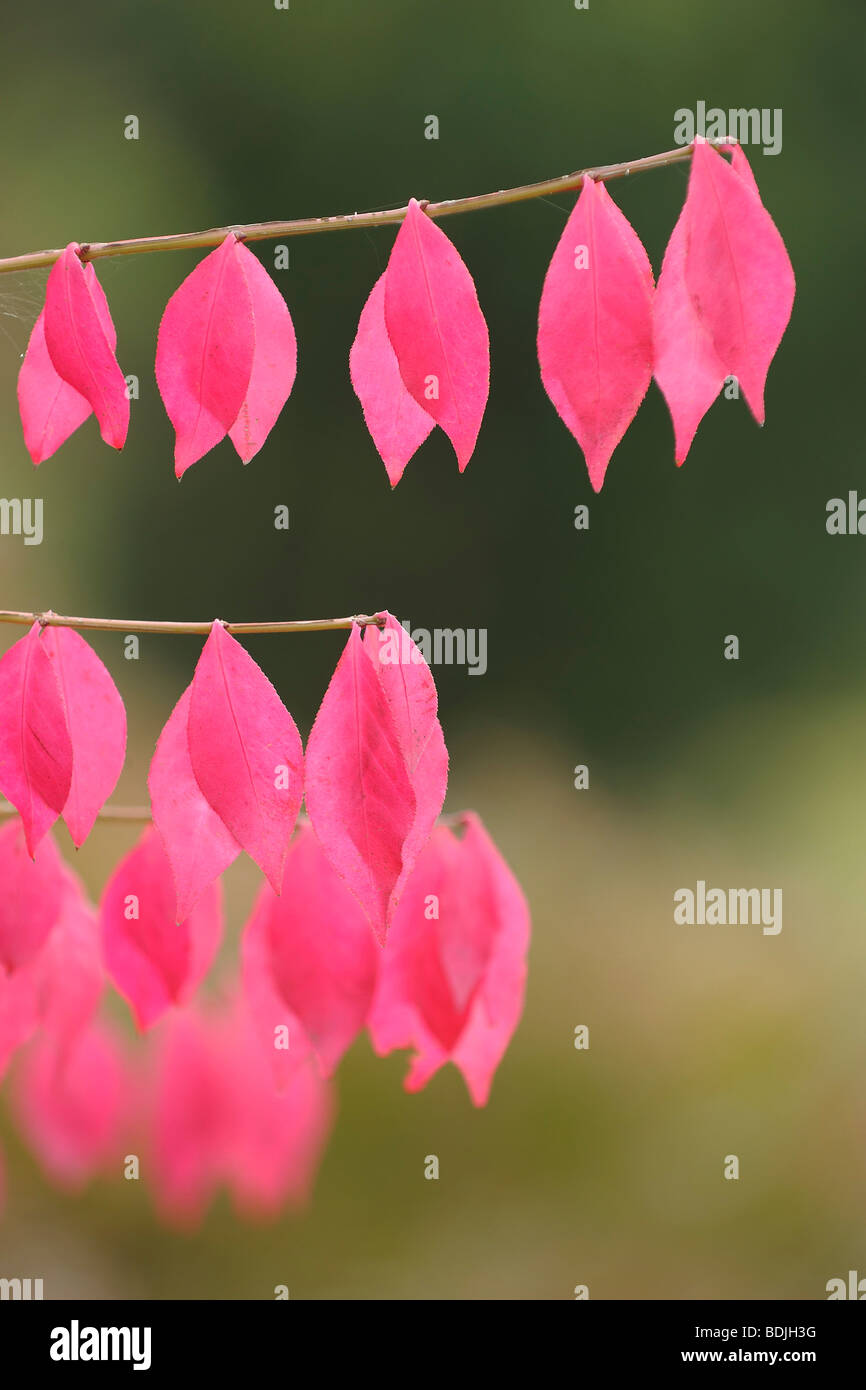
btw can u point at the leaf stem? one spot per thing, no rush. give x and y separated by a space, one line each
305 226
49 619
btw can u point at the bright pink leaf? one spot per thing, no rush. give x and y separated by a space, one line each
245 752
278 1138
453 972
19 1010
152 961
204 353
32 896
407 682
198 845
35 748
96 721
595 326
686 365
194 1113
359 793
737 271
51 410
437 330
80 346
71 1103
309 961
397 424
69 967
275 358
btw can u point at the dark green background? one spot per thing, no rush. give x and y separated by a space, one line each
605 647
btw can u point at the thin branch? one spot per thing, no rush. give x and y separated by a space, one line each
305 226
49 619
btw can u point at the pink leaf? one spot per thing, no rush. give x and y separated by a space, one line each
152 961
204 353
197 843
32 896
398 425
51 410
595 326
359 794
69 966
453 972
71 1105
35 748
687 367
19 1010
275 358
278 1137
309 961
407 682
437 330
737 271
96 721
80 345
245 752
194 1114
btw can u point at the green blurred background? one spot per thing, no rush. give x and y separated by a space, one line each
605 647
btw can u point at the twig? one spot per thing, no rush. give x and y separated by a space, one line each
49 619
305 226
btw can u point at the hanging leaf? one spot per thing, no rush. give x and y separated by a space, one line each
397 424
35 748
69 967
198 845
275 358
245 752
204 353
359 794
437 330
19 1011
737 270
152 961
32 896
71 1105
51 410
96 720
408 685
453 971
595 326
80 345
309 961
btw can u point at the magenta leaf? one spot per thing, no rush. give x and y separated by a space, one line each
245 752
275 358
152 961
408 685
69 967
359 794
32 898
71 1103
737 270
453 972
198 845
437 330
204 353
96 721
595 326
51 410
397 424
80 341
309 961
35 748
